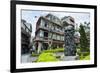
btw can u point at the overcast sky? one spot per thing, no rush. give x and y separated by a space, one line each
32 17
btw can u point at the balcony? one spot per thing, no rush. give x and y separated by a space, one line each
60 32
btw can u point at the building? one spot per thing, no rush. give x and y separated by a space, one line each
26 30
50 32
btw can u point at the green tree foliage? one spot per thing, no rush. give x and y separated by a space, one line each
83 39
87 31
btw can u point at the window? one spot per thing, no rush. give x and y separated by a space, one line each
54 36
45 34
62 38
57 28
42 23
46 24
59 37
38 34
41 33
50 34
48 17
52 27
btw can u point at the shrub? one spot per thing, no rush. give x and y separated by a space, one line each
83 55
86 53
46 57
34 55
82 52
58 57
54 50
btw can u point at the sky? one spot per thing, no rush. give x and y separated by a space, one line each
32 16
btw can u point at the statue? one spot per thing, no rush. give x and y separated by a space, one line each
69 30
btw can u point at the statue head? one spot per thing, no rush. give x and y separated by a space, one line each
68 20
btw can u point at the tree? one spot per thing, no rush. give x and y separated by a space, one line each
87 31
83 39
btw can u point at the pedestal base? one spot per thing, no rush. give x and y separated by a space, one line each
70 58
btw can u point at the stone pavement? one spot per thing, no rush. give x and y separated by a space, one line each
27 58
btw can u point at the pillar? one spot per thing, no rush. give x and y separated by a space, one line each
39 47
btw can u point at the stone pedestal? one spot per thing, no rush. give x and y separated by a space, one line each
70 58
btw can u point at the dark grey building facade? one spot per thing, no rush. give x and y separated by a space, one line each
26 30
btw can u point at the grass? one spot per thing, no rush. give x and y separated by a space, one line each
85 57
